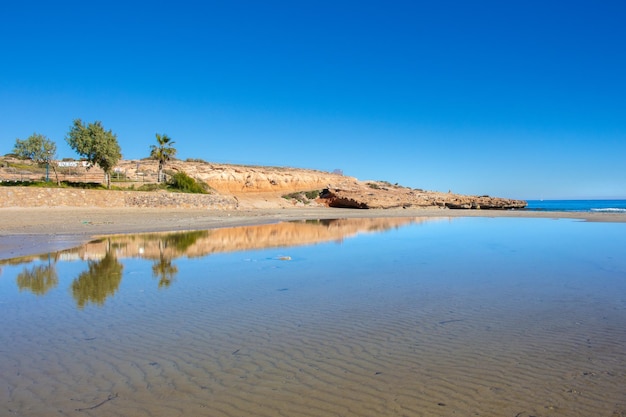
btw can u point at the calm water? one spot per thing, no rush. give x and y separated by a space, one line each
374 317
607 206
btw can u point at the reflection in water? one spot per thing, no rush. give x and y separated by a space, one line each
490 317
39 279
100 281
181 241
165 271
171 245
104 274
201 243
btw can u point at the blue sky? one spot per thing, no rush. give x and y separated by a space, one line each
523 99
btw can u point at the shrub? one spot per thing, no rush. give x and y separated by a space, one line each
304 197
312 195
182 182
85 185
196 160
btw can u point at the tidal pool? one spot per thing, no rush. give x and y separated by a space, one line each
349 317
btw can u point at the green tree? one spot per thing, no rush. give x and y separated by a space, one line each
39 149
162 152
96 145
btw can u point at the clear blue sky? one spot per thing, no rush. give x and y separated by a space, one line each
523 99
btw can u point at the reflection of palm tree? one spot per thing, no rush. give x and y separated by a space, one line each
179 242
39 279
100 281
165 271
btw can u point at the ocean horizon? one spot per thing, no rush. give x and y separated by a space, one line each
606 206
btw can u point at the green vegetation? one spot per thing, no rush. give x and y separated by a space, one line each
182 182
96 145
148 187
304 197
38 149
196 160
312 195
380 185
179 182
162 152
85 185
62 184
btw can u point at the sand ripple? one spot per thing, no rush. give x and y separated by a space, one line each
262 340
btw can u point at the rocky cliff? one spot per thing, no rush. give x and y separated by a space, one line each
270 187
377 195
267 183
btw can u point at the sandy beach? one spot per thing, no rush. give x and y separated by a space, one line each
30 231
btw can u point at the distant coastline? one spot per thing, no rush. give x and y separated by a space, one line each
583 206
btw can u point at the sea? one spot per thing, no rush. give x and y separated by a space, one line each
606 206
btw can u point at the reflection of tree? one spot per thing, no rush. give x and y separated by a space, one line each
178 243
165 271
39 279
184 240
100 281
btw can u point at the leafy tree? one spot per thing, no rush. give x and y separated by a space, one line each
95 144
37 148
162 152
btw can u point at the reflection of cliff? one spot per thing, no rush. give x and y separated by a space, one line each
163 247
100 281
167 246
104 270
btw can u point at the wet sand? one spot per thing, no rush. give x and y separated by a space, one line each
31 231
393 331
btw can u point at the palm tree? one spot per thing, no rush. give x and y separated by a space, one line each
162 152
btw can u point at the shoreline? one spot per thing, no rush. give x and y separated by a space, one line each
33 231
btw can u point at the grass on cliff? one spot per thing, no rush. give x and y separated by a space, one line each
304 197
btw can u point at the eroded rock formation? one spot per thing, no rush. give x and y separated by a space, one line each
377 195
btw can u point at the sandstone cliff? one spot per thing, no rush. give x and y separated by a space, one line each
253 185
378 195
264 187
